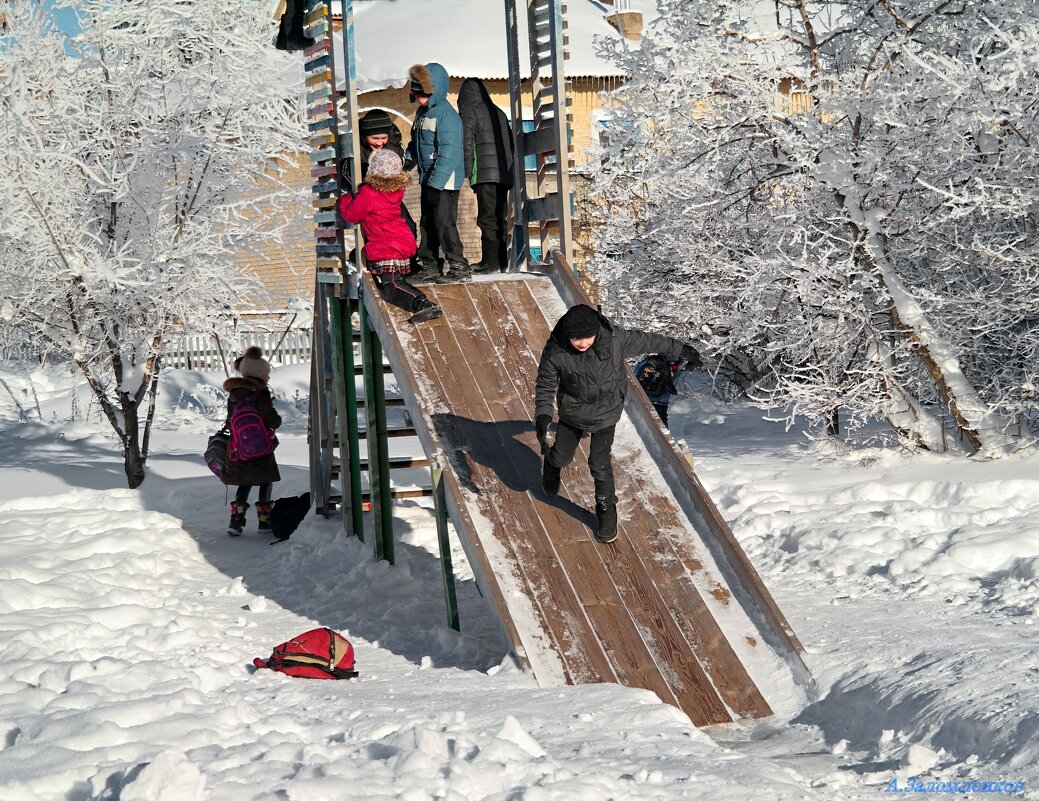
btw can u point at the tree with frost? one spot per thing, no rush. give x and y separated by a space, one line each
138 157
842 197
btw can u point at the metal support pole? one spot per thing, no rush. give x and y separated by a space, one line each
378 456
518 253
346 423
446 568
321 408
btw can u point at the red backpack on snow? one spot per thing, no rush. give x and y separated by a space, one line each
316 654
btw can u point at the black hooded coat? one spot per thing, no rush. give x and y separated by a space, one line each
487 137
589 388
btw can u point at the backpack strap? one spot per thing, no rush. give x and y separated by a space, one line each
335 672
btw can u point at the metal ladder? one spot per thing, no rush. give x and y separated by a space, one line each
549 202
335 434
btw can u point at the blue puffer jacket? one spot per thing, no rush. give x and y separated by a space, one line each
436 134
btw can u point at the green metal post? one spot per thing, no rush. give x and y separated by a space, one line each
447 569
346 420
378 447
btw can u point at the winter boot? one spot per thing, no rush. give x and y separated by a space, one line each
550 479
263 515
606 513
458 272
427 272
426 311
237 524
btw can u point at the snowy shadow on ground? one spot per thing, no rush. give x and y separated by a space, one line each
324 575
499 447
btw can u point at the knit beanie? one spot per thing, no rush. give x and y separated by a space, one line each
384 163
252 364
579 322
375 122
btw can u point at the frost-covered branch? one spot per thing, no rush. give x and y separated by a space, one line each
841 205
138 150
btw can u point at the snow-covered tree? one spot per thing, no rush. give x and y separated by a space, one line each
840 198
135 159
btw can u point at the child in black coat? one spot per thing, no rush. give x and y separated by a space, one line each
583 374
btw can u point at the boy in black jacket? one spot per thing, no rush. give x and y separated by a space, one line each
583 374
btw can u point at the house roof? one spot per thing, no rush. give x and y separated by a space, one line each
468 38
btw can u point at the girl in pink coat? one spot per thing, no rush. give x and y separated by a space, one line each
389 242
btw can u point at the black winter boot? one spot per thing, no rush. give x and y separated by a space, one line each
237 524
426 311
426 272
606 513
550 479
457 272
263 515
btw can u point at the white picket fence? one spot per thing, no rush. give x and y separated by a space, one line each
203 352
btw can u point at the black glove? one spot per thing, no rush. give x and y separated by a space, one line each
346 175
691 357
541 424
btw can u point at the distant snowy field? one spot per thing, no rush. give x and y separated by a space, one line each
130 620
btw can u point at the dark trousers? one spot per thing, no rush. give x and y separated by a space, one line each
395 289
439 225
662 411
241 495
492 203
599 463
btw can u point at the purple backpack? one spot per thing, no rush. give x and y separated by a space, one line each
250 437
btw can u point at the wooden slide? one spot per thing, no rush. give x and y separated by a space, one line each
673 605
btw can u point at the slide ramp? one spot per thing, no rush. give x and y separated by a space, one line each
672 606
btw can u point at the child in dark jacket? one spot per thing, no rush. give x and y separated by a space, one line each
389 243
583 374
656 375
487 160
254 373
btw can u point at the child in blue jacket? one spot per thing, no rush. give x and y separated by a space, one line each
436 149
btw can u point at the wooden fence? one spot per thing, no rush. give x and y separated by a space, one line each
203 352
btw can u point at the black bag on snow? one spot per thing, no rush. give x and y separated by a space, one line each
287 514
216 451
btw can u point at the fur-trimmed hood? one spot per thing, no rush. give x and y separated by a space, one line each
394 183
243 384
433 79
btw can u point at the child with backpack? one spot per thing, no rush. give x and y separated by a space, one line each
252 420
389 243
656 376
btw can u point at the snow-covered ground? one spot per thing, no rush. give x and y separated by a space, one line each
129 622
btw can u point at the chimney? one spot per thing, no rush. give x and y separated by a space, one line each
629 23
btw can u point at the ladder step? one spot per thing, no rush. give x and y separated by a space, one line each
322 78
390 432
543 140
395 464
317 63
320 46
318 13
419 492
543 208
359 369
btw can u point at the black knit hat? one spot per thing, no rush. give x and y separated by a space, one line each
375 122
579 322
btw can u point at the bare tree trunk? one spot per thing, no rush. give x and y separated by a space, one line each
133 459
